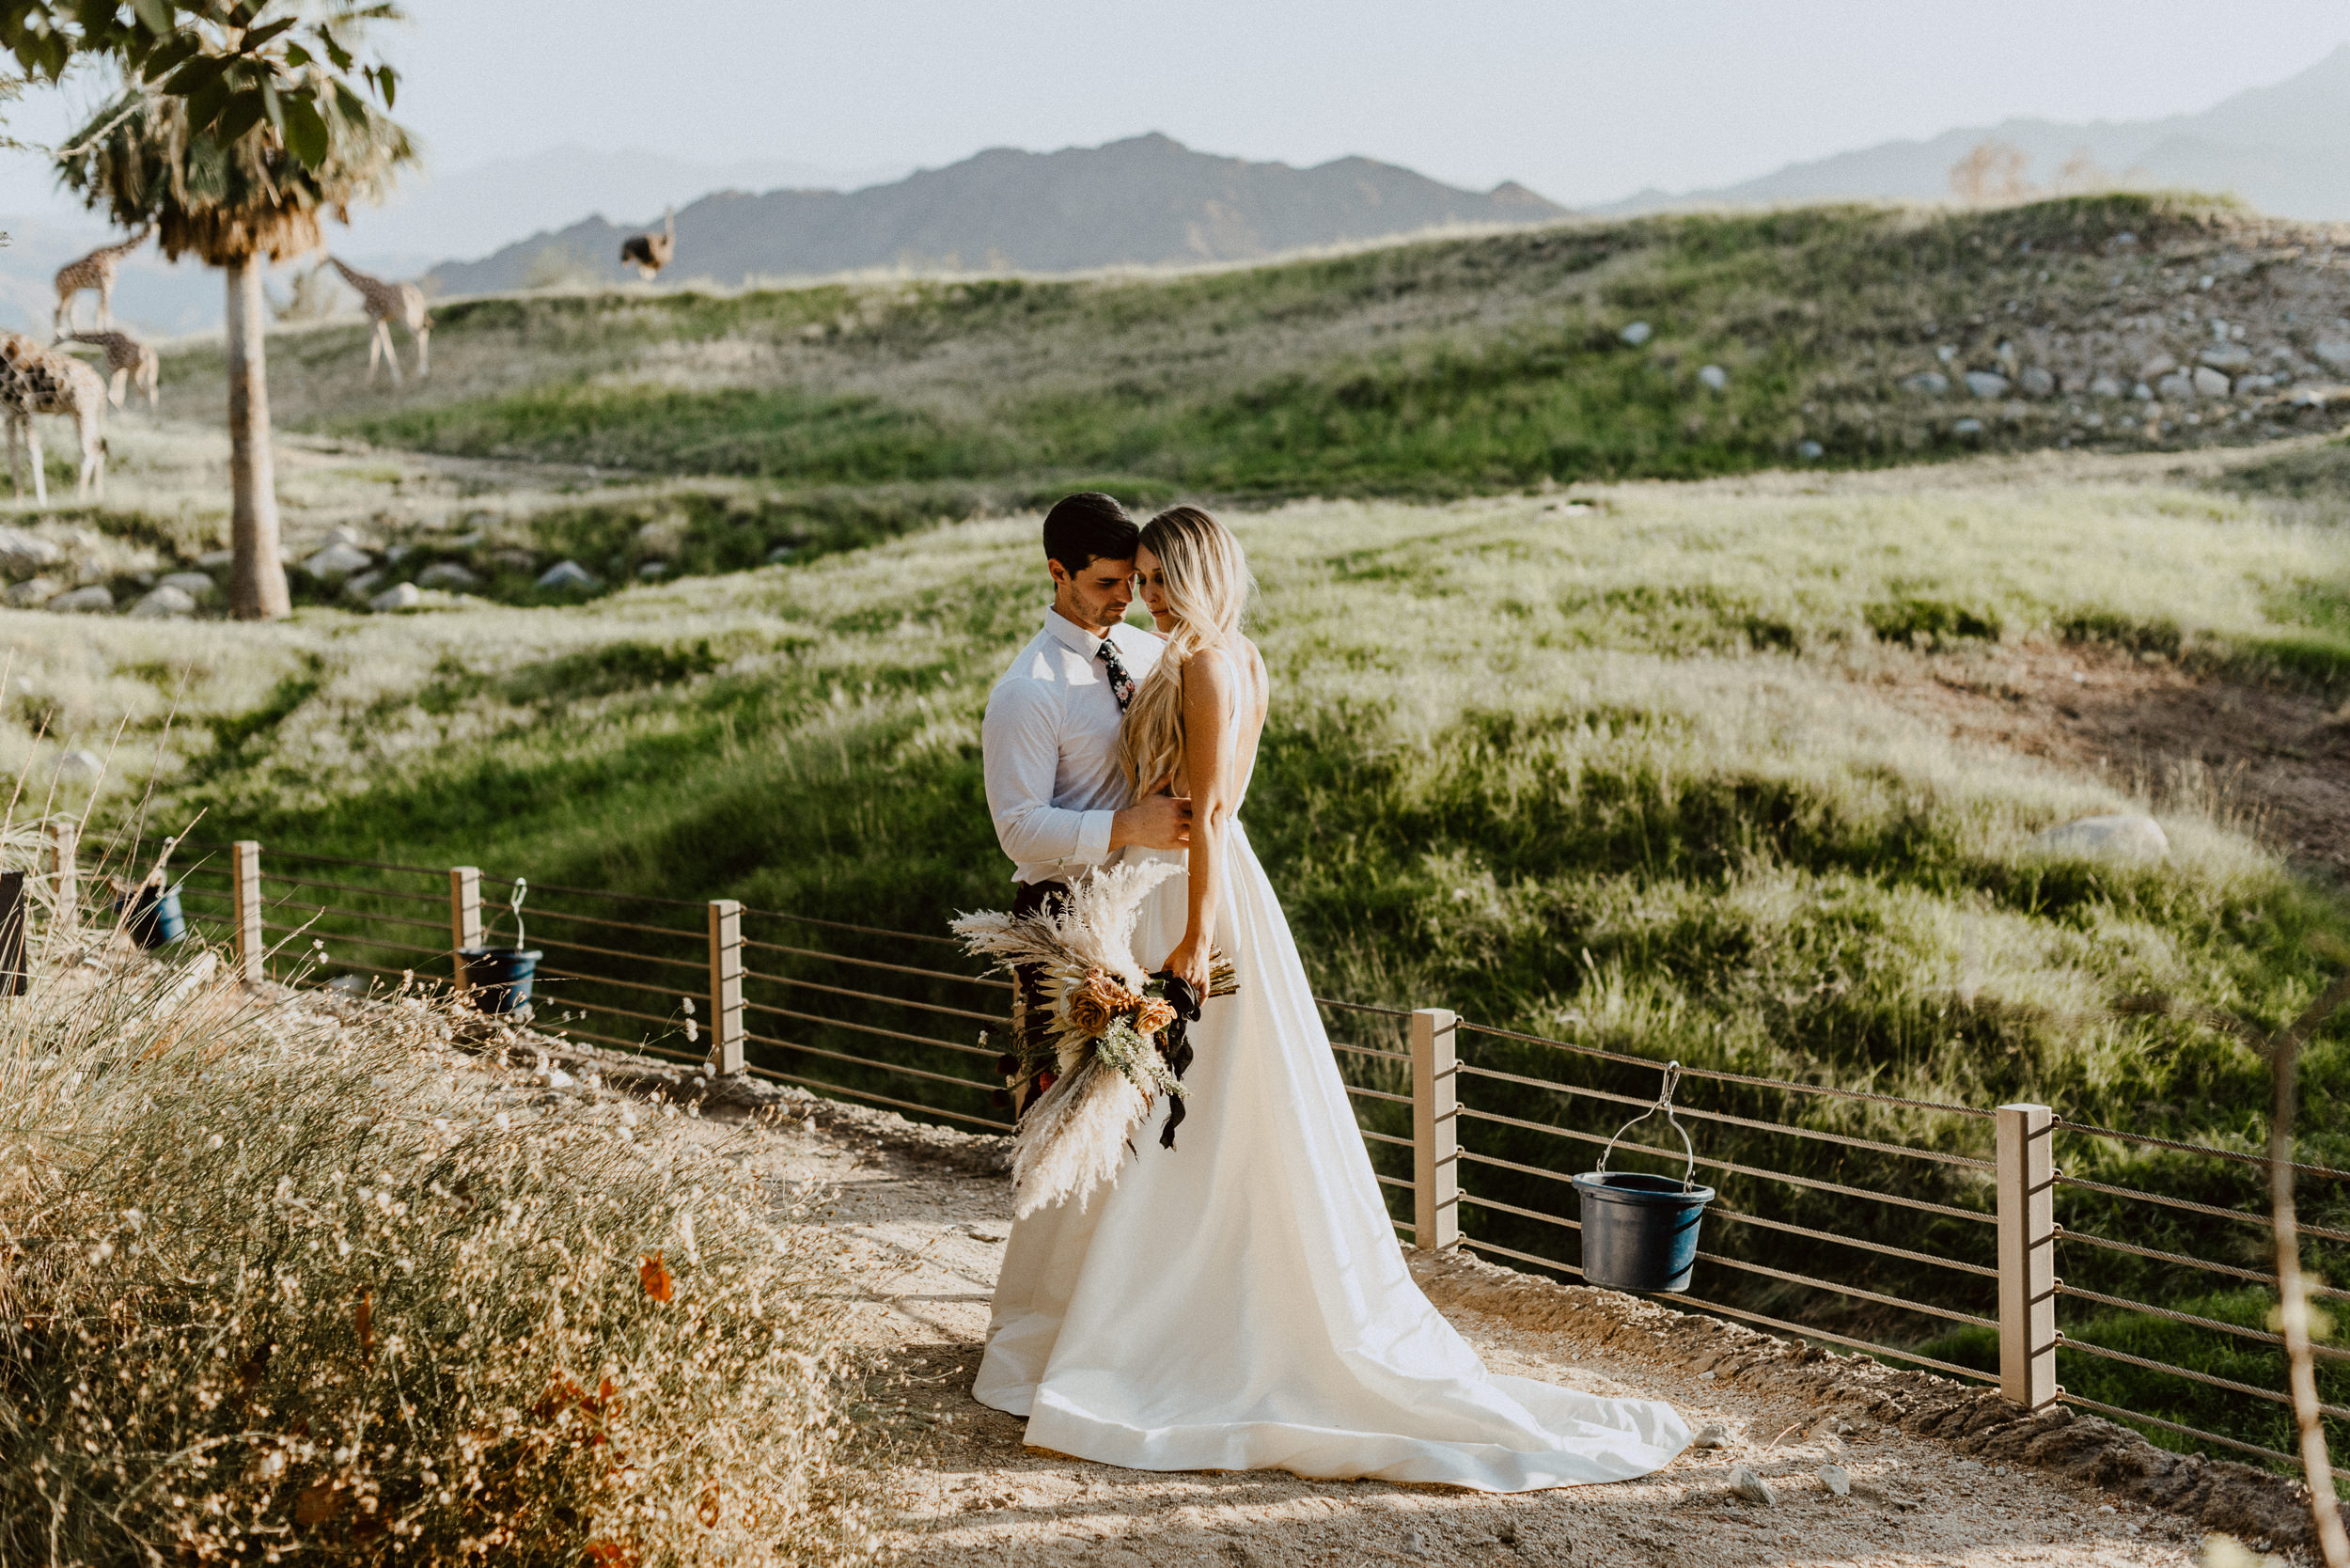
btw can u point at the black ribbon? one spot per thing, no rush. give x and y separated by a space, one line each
1175 1045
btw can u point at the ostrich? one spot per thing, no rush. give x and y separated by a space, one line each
649 253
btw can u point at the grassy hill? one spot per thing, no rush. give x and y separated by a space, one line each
1623 774
1628 769
1437 369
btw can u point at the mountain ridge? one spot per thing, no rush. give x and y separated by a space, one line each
1140 201
2284 148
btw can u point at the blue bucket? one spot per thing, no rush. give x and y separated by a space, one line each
1639 1233
152 915
498 979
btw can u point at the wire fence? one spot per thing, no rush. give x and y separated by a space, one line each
1853 1217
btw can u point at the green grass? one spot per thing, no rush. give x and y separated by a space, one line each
1439 369
1619 776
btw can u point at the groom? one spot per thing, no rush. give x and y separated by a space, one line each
1049 739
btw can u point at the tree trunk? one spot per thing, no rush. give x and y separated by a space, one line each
257 580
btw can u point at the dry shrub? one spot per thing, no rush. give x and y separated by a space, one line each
275 1284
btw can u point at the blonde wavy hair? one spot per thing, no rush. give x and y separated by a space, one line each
1208 588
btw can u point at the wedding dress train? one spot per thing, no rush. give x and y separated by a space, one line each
1239 1302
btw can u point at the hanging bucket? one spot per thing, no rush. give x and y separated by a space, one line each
151 915
498 979
1640 1232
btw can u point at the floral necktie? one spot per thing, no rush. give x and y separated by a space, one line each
1121 683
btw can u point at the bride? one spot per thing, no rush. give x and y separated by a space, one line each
1239 1302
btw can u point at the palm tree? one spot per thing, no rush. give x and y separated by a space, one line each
238 205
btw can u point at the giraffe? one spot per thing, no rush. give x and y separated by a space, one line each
37 380
384 304
127 360
94 271
649 253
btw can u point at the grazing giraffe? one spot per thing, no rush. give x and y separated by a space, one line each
95 271
384 304
127 360
37 380
649 253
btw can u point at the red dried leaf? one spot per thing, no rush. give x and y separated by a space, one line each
364 1317
709 1509
317 1504
660 1284
610 1554
560 1396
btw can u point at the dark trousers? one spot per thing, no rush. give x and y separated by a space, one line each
1032 898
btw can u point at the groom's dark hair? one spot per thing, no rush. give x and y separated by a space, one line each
1086 527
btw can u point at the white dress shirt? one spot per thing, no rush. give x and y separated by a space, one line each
1050 742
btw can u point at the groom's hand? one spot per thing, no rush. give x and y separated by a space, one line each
1156 822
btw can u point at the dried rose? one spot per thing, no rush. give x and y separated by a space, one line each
1154 1015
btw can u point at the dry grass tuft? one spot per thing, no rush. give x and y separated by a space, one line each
275 1284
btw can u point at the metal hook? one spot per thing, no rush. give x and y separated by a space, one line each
1664 1103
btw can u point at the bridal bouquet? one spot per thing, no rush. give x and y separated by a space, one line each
1112 1039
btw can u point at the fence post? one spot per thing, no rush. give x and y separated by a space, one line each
16 912
1436 1131
2027 1181
245 871
465 917
65 843
726 985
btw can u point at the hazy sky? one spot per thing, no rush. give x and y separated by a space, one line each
1583 101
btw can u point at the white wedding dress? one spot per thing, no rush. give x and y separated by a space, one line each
1240 1302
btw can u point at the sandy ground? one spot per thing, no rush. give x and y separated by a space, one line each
923 1240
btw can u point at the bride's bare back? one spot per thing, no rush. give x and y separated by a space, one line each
1233 674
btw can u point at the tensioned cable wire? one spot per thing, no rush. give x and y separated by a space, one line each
1720 1076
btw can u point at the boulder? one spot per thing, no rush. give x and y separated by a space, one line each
1809 452
1715 377
2332 350
2118 836
1836 1478
94 597
197 583
652 571
32 592
2104 385
21 552
2176 388
163 603
1968 426
568 575
449 575
511 559
2036 383
339 559
1637 334
781 552
1986 384
216 561
2157 368
1931 383
2229 357
1749 1487
363 584
399 596
2210 382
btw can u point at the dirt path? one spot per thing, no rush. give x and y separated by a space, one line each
2274 759
924 1238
